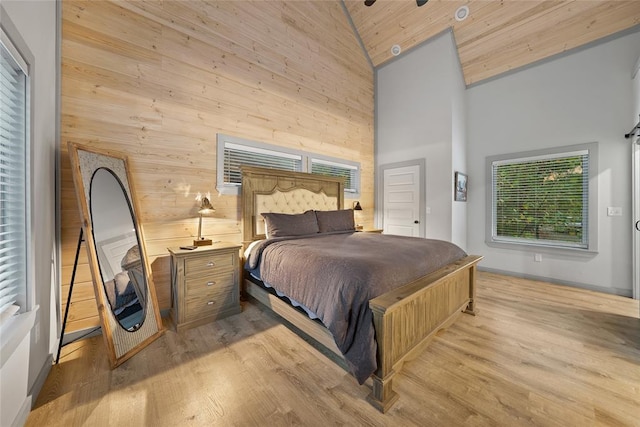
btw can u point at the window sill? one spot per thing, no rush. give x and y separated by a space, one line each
529 247
14 331
236 190
229 190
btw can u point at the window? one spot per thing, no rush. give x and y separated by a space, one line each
236 155
14 137
544 198
348 171
234 152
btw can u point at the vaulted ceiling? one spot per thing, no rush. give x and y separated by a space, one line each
497 36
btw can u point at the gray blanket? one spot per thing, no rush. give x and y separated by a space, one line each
336 274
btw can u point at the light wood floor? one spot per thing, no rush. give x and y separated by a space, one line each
536 354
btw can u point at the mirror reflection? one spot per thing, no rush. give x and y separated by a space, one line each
117 247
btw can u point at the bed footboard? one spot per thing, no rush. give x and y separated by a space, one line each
406 318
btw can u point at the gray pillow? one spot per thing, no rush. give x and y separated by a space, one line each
282 225
341 220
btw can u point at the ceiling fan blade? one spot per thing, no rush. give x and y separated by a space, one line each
419 2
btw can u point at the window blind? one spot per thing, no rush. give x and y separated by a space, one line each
13 194
234 152
236 155
542 200
349 172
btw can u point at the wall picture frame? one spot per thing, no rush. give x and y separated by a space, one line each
460 187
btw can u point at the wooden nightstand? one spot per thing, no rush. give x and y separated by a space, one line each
205 284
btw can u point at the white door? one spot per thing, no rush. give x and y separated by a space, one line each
402 201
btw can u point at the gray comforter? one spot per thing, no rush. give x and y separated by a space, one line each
336 274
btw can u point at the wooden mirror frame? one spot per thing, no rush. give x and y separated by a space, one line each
121 344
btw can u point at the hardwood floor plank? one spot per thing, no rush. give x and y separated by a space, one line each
536 354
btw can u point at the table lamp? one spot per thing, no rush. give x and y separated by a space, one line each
205 208
357 207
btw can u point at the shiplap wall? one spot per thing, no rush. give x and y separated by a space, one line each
159 80
497 36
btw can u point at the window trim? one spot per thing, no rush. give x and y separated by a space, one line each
592 200
306 156
17 48
21 324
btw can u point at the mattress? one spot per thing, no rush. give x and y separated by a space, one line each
334 275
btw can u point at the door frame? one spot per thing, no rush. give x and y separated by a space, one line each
635 184
422 164
635 149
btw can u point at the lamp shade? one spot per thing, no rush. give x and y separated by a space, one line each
205 206
357 207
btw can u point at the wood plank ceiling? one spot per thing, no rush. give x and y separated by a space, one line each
497 36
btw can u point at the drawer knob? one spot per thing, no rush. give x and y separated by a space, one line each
210 303
210 264
211 283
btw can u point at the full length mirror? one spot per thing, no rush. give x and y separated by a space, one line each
125 295
115 237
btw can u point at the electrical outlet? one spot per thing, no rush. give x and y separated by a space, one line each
614 211
537 257
428 210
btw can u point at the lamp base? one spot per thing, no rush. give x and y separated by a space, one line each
202 242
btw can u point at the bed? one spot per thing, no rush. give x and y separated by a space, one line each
125 292
404 318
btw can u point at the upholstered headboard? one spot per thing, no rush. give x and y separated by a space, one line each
271 190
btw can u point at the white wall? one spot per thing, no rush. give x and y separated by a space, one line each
459 148
582 97
36 22
420 114
110 212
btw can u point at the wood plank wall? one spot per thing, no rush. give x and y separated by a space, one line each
498 36
158 80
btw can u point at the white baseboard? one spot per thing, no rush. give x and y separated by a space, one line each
23 413
41 378
613 291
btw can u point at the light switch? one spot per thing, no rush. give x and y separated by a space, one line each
614 211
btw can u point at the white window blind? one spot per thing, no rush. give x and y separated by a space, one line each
13 178
236 155
542 200
234 152
349 172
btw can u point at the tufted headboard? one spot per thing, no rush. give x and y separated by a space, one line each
271 190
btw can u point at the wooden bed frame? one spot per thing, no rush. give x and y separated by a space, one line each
404 319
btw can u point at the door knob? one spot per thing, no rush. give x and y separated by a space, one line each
416 222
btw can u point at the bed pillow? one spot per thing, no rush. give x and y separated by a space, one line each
340 220
282 225
122 282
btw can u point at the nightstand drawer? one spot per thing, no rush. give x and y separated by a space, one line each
207 283
217 302
209 262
